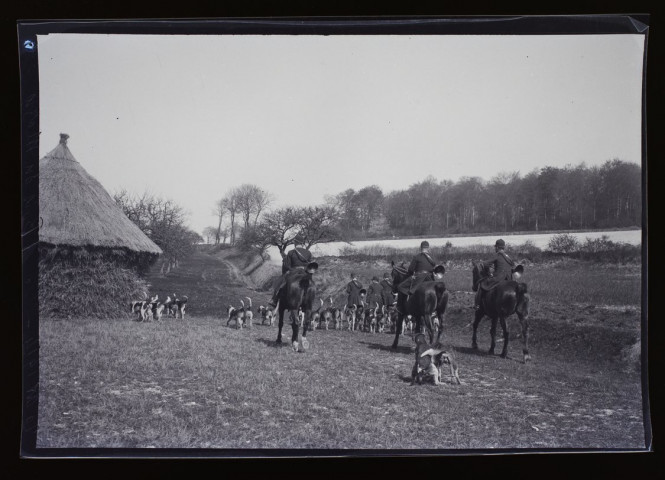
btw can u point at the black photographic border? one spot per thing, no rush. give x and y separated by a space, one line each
471 25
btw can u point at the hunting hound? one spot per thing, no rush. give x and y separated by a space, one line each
268 314
178 306
141 308
237 315
350 316
429 360
249 315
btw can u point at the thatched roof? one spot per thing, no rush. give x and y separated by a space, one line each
75 210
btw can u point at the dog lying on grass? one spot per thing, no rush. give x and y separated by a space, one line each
429 360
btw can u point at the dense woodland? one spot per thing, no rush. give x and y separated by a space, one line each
546 199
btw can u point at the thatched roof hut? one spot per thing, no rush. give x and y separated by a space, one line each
76 211
90 254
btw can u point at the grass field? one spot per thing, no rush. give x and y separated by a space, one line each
197 383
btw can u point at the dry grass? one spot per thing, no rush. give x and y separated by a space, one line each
199 384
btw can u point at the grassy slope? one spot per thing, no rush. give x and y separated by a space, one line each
199 384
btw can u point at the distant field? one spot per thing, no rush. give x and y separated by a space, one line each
563 282
540 240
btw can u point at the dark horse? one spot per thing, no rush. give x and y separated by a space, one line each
299 292
428 298
506 298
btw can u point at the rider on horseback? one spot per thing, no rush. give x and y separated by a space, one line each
298 258
502 265
420 270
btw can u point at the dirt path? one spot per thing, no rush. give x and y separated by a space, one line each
210 281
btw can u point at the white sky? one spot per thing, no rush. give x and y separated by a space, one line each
189 117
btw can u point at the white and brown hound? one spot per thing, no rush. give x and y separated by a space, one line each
237 315
249 315
268 314
141 308
179 305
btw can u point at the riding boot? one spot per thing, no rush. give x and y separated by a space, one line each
273 301
275 295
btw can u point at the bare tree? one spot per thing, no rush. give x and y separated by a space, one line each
163 221
279 228
219 211
211 233
318 225
231 204
251 201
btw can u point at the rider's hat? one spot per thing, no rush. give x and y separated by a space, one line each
386 275
353 274
424 244
375 279
440 269
363 291
313 265
500 243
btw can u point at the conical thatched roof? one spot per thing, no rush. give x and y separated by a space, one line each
77 211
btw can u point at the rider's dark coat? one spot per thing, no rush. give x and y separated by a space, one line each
298 257
353 289
374 294
422 266
387 292
502 265
421 263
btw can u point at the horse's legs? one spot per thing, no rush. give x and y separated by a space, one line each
439 332
398 328
479 316
295 326
426 321
280 324
504 327
493 335
307 324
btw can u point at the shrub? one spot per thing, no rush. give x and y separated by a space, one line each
563 243
604 250
528 250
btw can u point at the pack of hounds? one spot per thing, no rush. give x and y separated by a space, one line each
362 317
154 309
243 316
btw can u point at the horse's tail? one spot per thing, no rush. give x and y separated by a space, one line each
521 291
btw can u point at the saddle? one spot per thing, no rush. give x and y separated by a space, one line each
488 283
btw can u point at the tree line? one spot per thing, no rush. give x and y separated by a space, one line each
549 198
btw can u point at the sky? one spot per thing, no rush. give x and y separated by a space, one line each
190 117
